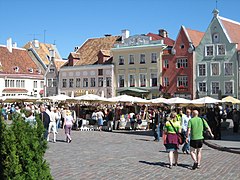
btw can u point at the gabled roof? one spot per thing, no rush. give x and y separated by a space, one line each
43 51
232 28
166 40
194 36
59 63
18 58
90 49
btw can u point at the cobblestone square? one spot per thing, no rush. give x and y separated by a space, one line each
131 155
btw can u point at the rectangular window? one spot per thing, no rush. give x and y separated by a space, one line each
108 81
142 80
121 80
202 69
228 69
100 72
71 83
209 50
18 83
221 49
85 82
41 84
154 57
78 82
142 58
12 83
49 83
154 80
182 63
165 81
64 83
23 83
121 60
100 82
34 84
131 59
202 87
93 82
166 63
132 80
51 70
215 87
182 81
228 86
215 69
54 82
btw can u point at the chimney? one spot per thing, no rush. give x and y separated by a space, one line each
125 34
163 33
36 43
9 44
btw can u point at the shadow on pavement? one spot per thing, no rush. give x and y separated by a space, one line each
142 133
166 165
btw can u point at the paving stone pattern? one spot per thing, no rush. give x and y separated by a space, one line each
132 156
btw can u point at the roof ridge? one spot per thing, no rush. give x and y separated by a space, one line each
230 20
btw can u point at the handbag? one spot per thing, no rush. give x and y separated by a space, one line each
180 136
206 133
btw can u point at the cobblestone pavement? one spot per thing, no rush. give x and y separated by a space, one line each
133 156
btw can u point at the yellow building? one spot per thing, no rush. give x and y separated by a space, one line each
138 67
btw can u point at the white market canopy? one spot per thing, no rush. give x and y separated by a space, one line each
127 99
158 100
60 97
206 100
89 97
178 100
20 98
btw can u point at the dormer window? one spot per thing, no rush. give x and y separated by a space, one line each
16 69
38 71
30 70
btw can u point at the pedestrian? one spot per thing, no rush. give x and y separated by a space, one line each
100 116
58 118
132 118
52 124
195 132
67 125
185 119
236 120
109 118
171 128
156 125
45 119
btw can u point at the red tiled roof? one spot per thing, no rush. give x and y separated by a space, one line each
12 90
233 30
168 41
90 49
195 36
17 58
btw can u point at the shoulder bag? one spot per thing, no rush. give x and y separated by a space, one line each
206 133
180 136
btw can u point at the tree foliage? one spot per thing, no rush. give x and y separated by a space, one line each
22 150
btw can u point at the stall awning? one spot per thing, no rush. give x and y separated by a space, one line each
133 90
14 90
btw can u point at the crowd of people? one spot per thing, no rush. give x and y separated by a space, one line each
165 122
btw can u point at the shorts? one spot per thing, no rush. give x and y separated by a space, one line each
196 144
171 147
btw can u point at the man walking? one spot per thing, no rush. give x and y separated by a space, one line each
195 127
45 119
185 120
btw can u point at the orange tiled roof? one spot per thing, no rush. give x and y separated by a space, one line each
59 63
195 36
168 41
43 51
90 49
233 30
17 58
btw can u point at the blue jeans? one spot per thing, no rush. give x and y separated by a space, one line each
186 146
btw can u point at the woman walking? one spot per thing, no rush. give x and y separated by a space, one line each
171 138
67 125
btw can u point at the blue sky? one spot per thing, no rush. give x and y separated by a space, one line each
70 23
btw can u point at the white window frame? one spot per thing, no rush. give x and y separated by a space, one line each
64 83
129 80
217 45
71 83
219 69
225 92
142 58
121 75
93 82
166 63
183 80
108 81
131 59
165 81
151 80
212 86
145 75
205 87
78 82
85 82
182 62
35 84
198 70
205 50
100 81
153 57
225 69
121 60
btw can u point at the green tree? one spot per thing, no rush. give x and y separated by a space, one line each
22 150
